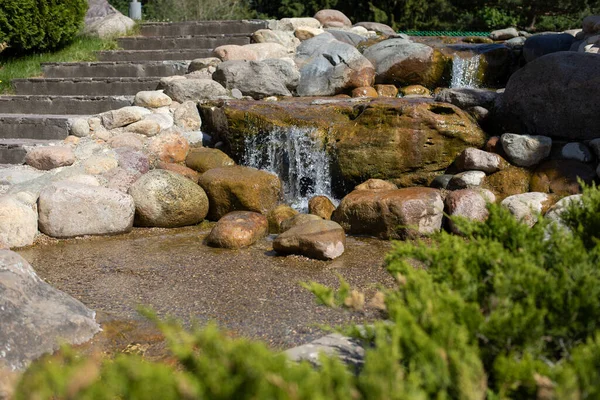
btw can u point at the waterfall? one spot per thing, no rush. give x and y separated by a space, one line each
298 157
465 71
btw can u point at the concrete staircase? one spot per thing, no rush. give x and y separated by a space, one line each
42 108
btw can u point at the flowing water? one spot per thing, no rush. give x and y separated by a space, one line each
298 157
465 71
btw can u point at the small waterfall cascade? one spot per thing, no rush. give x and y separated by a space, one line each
298 157
465 71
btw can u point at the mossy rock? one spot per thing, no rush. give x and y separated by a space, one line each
385 138
508 182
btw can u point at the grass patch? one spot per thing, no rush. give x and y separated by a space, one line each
84 48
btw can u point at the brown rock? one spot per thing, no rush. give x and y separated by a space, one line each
323 240
179 169
278 215
167 200
170 147
321 206
401 140
508 182
333 19
240 188
46 158
560 177
298 219
494 145
365 91
202 159
146 127
391 214
416 90
386 90
376 184
238 229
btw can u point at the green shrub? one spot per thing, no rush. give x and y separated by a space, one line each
507 312
196 10
32 26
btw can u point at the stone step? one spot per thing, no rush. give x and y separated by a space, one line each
153 55
35 126
13 151
115 69
202 27
84 86
180 42
81 105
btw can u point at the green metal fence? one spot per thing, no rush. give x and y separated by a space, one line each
444 33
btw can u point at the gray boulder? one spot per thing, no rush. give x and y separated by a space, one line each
348 350
557 95
36 318
252 78
468 203
182 90
576 151
320 239
479 160
527 207
377 27
504 34
110 26
525 150
467 179
68 209
546 43
328 67
166 199
347 37
468 97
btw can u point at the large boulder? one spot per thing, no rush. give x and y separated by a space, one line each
557 95
468 97
284 38
252 78
401 62
333 19
110 26
36 318
527 207
323 240
470 204
391 214
377 27
202 159
238 229
405 141
526 150
18 222
328 67
182 90
479 160
546 43
68 209
166 199
561 177
240 188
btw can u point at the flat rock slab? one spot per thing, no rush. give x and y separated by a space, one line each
36 318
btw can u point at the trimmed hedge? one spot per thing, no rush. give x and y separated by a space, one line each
40 25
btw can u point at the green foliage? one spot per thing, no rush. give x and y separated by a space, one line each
121 5
326 295
82 49
30 25
494 18
504 312
196 10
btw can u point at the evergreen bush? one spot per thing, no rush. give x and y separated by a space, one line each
507 312
40 25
